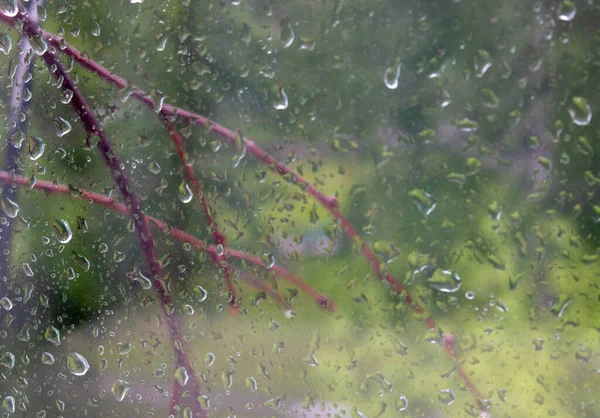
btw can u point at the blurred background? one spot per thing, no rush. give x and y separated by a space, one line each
459 137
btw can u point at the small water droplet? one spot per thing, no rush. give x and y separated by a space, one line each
445 281
65 96
185 193
120 389
7 360
580 112
281 102
62 126
77 364
391 77
52 334
81 261
36 147
401 403
446 396
425 202
10 208
268 260
47 358
62 230
567 11
9 7
209 359
6 303
287 33
95 28
181 375
311 360
9 404
201 293
123 348
482 63
5 43
154 167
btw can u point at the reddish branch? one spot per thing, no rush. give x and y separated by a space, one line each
219 238
330 203
212 250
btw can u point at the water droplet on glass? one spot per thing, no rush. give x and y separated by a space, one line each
7 360
47 358
120 389
9 7
580 112
9 404
201 293
209 359
495 211
401 403
391 77
470 295
77 364
268 260
154 167
424 201
81 261
482 63
185 193
445 281
65 96
311 360
287 33
281 102
36 147
307 44
136 1
62 230
567 11
162 43
95 28
5 43
52 334
123 348
143 281
446 396
10 208
62 126
181 375
6 303
38 44
187 310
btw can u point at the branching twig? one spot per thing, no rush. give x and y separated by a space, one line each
212 250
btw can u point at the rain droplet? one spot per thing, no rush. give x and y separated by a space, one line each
391 77
9 7
268 260
62 230
311 360
580 112
65 96
81 261
123 348
52 334
287 33
185 193
209 359
77 364
36 147
181 375
95 28
9 404
6 303
62 126
201 292
187 310
424 201
482 64
38 44
154 167
7 360
401 403
281 103
445 281
10 208
446 396
120 389
5 43
47 358
567 11
144 281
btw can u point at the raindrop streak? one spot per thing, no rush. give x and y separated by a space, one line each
282 102
391 77
63 126
77 364
120 389
62 230
36 147
580 112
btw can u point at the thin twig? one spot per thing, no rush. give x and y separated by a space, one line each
212 250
